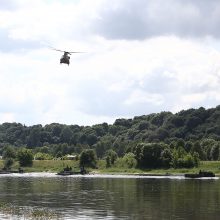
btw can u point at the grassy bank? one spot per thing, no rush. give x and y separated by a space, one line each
45 165
58 165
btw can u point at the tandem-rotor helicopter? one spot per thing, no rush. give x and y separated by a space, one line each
66 56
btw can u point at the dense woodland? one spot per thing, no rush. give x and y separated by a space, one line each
154 140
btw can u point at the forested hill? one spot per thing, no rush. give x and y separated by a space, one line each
187 125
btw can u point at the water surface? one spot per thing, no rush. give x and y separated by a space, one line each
113 197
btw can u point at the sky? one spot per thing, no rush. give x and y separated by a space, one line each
141 57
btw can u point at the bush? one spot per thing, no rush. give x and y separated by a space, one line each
111 157
9 152
25 157
129 160
186 160
8 162
149 154
88 158
166 157
42 156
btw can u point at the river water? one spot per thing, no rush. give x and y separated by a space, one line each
112 196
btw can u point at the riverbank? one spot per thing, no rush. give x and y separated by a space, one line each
54 166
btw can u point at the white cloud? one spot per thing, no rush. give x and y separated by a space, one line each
143 19
138 96
116 77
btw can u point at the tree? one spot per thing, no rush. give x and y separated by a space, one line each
181 159
207 145
138 153
149 155
198 148
108 163
42 156
91 139
177 121
111 156
162 133
143 125
88 158
192 122
8 162
25 157
214 153
100 149
129 160
66 134
35 136
43 149
166 157
188 146
9 152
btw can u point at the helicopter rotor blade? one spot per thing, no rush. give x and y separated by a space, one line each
64 51
75 52
52 48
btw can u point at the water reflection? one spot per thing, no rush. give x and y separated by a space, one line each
110 198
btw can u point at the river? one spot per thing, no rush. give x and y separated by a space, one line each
112 196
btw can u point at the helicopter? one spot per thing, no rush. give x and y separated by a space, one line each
66 56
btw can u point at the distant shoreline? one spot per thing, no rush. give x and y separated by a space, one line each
55 166
107 175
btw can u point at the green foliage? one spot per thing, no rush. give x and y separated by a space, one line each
166 157
43 149
182 159
66 134
111 157
108 161
198 149
25 157
34 138
129 160
42 156
214 153
88 158
9 152
194 130
8 162
149 155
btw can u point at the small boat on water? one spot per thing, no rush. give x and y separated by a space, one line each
9 171
200 174
4 172
68 171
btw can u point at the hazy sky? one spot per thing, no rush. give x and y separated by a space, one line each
142 57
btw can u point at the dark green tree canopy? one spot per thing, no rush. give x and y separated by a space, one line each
184 129
88 158
25 157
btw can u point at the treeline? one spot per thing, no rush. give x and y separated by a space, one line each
188 135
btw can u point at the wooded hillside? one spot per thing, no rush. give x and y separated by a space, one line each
197 129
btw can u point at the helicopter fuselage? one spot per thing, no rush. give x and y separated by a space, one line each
65 58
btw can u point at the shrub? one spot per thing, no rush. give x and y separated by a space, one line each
129 160
25 157
88 158
111 157
42 156
8 162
